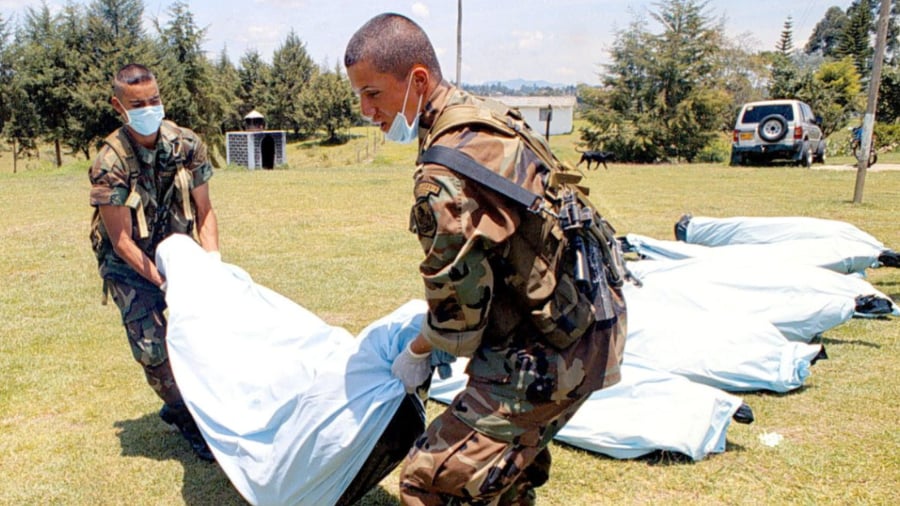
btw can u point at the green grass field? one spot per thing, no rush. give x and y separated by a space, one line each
78 425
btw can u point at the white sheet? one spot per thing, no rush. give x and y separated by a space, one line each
801 301
648 410
833 253
729 350
290 406
767 230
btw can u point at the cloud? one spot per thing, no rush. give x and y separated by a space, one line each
288 4
264 38
566 73
529 40
420 10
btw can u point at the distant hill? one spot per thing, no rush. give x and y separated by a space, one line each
517 84
520 87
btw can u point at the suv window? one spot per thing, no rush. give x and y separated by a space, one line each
755 114
807 113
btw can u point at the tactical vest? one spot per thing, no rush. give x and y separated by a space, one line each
174 212
565 257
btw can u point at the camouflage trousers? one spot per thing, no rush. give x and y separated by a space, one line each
454 464
145 325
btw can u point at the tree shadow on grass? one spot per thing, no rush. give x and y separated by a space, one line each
204 483
830 341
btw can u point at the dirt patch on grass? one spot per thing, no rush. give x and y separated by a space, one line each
878 167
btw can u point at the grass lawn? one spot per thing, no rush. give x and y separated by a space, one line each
78 425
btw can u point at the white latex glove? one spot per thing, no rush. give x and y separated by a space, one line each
411 368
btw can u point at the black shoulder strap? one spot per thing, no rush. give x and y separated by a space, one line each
461 163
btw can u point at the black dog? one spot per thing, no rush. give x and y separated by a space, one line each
598 157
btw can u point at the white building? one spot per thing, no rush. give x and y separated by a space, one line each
256 147
537 110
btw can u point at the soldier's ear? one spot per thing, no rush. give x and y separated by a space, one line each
114 102
420 78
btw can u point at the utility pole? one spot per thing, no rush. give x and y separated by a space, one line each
869 118
459 43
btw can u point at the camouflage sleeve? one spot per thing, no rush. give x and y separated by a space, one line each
201 170
110 182
458 224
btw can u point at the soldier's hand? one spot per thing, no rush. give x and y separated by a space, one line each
412 369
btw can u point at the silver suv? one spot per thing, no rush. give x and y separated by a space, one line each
777 129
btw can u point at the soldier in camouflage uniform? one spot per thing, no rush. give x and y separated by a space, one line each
490 445
149 180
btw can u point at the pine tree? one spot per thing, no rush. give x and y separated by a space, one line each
47 65
6 75
228 84
79 134
785 44
661 103
255 76
329 103
855 39
112 37
292 72
186 80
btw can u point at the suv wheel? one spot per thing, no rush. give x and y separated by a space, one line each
772 128
820 153
806 156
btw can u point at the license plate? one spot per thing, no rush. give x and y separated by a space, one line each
746 136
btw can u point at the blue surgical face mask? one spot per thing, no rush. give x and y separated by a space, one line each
401 131
146 120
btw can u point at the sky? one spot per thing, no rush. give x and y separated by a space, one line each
559 41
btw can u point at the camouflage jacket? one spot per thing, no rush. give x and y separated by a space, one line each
112 182
465 232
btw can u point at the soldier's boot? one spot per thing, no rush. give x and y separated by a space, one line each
179 416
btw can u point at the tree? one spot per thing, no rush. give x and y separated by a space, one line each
186 82
827 33
49 68
660 104
785 44
889 96
73 31
627 75
23 127
292 72
786 76
255 76
893 36
855 39
6 74
744 74
112 37
834 91
228 83
329 103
